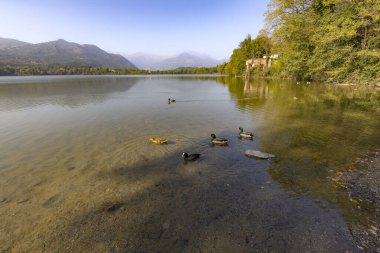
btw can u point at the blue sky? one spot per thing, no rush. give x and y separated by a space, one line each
164 27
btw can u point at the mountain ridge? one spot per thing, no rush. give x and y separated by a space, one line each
182 60
6 43
59 52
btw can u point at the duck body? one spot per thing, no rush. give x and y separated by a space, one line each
191 157
247 135
158 140
218 141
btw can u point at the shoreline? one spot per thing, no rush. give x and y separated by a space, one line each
335 83
173 72
362 185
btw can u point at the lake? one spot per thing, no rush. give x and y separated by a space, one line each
77 173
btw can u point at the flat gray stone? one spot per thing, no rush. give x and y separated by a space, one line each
258 154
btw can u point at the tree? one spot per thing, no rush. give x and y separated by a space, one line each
335 40
247 49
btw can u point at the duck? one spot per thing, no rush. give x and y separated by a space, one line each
243 134
158 140
191 157
218 141
170 100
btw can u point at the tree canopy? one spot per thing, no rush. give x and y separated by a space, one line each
88 70
327 40
333 40
248 48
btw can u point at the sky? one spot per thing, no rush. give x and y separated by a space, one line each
162 27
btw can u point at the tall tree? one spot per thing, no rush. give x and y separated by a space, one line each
247 49
289 24
236 65
336 40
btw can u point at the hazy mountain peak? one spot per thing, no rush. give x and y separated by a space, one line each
184 54
145 60
184 59
61 41
198 54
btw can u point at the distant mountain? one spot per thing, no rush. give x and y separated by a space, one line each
188 60
59 52
11 43
183 60
146 61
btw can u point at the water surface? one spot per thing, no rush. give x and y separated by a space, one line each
71 146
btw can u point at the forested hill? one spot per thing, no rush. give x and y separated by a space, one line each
59 52
328 40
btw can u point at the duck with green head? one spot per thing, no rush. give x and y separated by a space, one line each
170 100
191 157
218 141
247 135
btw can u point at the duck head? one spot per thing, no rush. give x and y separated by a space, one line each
241 129
213 136
185 155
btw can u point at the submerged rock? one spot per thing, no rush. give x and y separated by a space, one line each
51 201
22 201
258 154
111 207
363 186
363 183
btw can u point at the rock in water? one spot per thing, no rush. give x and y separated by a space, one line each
258 154
111 207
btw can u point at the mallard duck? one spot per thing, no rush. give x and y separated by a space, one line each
243 134
191 157
158 140
170 100
218 141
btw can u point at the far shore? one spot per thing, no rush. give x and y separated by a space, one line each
189 72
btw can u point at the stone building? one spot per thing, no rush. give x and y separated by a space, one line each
262 63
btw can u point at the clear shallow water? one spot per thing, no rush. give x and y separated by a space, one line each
68 145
